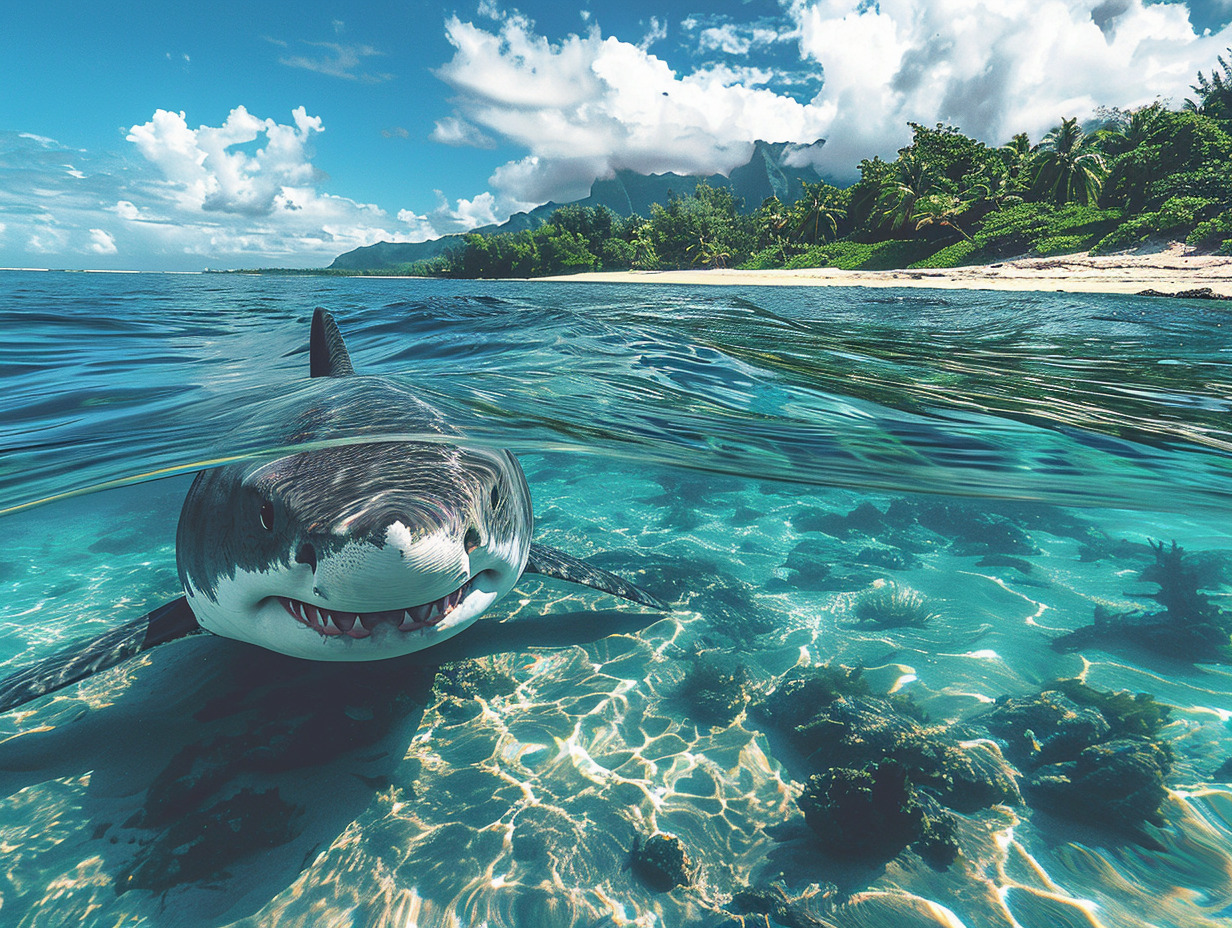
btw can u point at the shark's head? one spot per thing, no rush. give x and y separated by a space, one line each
359 551
352 553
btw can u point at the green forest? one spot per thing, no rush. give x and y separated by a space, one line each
946 200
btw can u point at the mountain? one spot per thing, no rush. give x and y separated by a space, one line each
766 174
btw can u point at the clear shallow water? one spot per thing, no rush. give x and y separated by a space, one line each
694 438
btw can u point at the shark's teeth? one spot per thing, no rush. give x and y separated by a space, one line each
334 623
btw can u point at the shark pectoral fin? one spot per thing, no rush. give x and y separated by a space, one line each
86 658
552 563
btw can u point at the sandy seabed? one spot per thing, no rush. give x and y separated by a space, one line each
1167 270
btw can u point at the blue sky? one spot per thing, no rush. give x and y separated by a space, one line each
163 135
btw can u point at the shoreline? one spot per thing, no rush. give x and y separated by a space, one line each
1168 271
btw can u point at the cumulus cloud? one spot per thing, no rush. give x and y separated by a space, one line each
102 242
210 171
462 216
991 68
587 106
243 193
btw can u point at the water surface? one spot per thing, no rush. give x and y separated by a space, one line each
710 443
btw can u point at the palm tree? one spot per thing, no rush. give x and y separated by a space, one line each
645 257
1214 95
939 210
709 253
774 215
1067 168
912 179
1141 126
818 214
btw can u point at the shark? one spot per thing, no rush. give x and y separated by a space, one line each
361 551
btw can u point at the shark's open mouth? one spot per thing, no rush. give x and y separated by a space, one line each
335 622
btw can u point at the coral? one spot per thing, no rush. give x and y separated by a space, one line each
971 530
805 691
1045 728
880 778
871 812
828 717
875 812
856 731
716 689
1189 628
887 557
661 862
1117 783
775 903
1127 714
1094 755
894 606
808 571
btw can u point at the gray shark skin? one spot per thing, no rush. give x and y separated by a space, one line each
350 552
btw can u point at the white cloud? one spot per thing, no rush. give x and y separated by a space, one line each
453 130
991 68
338 61
656 31
241 194
210 172
478 211
464 215
736 38
588 106
102 242
45 240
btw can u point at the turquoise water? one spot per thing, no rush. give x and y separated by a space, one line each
721 446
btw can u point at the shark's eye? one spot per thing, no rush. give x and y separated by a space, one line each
471 541
495 495
267 516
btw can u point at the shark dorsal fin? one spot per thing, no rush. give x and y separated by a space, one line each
327 351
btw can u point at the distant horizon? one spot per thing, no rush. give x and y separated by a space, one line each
240 137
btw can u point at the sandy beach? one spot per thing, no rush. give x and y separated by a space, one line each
1167 270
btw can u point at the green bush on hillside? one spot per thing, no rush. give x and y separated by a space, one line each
1026 227
956 255
863 256
1174 216
1057 245
1210 233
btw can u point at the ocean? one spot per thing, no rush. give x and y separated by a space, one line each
913 543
